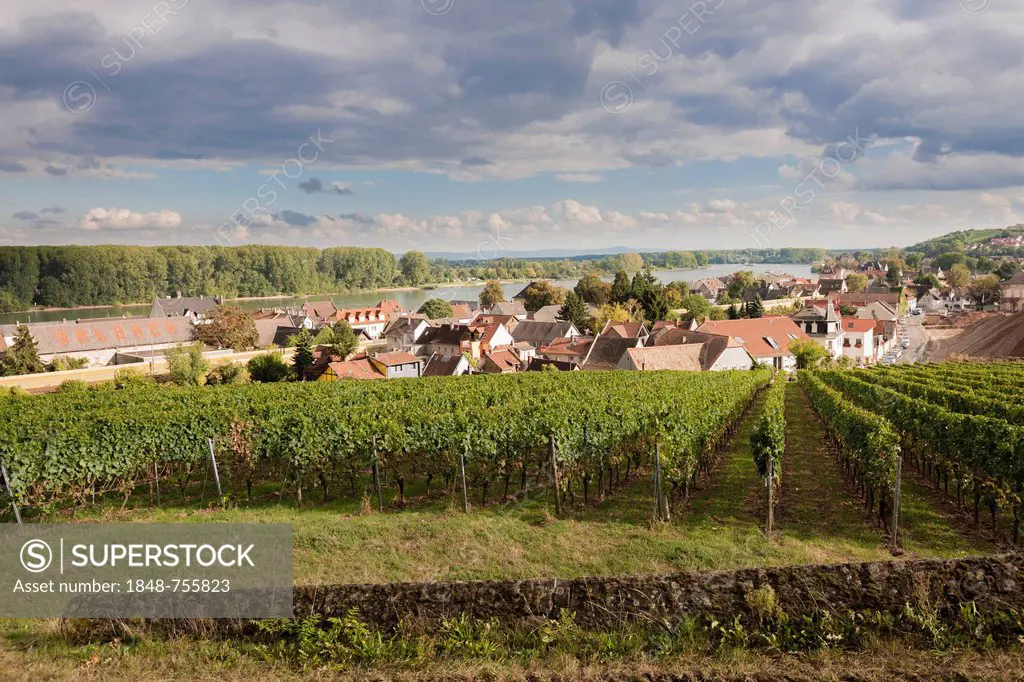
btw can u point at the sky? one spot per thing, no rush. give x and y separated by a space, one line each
482 126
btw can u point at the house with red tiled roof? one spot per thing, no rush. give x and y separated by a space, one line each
627 330
765 339
503 361
356 368
572 350
859 340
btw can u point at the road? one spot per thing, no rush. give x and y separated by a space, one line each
918 340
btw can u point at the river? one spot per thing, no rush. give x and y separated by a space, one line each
410 299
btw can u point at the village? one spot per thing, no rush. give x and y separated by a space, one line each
860 314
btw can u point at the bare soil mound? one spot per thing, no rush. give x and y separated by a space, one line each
1000 336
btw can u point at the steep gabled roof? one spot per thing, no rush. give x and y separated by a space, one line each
763 337
508 308
682 358
541 332
576 347
396 358
606 351
627 330
440 365
500 361
362 368
446 335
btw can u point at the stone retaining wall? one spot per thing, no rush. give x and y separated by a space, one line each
991 582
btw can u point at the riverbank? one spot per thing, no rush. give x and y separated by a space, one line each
410 298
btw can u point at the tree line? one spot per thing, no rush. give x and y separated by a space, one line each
68 276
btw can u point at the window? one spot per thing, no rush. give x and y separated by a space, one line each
739 340
792 336
771 342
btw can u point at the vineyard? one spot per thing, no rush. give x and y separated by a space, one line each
959 425
576 430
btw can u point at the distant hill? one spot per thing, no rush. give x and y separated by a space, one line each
957 241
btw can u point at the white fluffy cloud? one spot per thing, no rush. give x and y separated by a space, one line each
126 219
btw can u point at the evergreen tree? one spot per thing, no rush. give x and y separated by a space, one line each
303 358
620 287
734 312
23 355
575 310
755 308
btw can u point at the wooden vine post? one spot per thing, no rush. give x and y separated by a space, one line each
462 475
897 495
554 476
216 473
376 477
660 507
10 493
771 494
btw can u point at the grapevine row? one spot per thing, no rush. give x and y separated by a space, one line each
868 444
981 453
65 447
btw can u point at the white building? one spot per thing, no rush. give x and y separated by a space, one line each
821 322
859 340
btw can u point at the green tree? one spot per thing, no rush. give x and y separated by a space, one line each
928 280
339 338
186 365
809 354
740 282
269 368
303 358
650 295
575 310
632 262
913 259
228 373
615 313
958 275
63 363
591 289
892 276
1007 269
229 327
755 308
436 308
856 282
697 306
734 312
415 268
543 293
23 355
492 293
620 287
